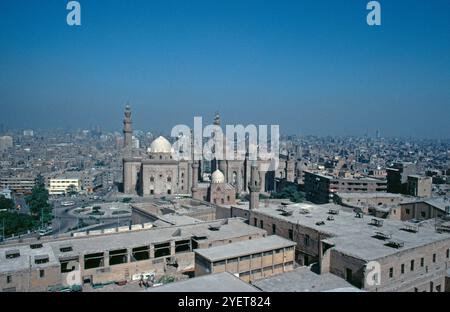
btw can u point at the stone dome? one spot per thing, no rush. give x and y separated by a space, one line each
217 177
160 145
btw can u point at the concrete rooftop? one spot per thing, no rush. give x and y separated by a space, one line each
355 235
130 239
246 247
221 282
303 280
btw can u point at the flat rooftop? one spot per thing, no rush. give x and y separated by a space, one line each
304 280
243 248
229 228
157 208
352 235
372 195
221 282
440 203
350 178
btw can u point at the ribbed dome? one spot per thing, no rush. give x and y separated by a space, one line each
217 177
160 145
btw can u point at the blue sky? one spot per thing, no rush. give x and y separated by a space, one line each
314 67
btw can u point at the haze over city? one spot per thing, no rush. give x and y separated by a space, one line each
313 67
227 153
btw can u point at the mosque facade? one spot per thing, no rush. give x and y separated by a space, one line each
157 172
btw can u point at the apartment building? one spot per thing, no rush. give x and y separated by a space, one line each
321 188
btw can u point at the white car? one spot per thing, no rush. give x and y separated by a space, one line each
46 231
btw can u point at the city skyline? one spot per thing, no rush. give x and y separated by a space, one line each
311 67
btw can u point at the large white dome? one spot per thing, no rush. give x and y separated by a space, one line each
217 177
160 145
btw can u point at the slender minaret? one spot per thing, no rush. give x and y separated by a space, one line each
254 186
194 188
127 129
217 119
215 162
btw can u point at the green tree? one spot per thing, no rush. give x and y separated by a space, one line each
290 192
15 223
72 190
6 203
39 205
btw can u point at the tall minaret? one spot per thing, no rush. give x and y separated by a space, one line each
217 119
215 162
254 186
194 179
127 129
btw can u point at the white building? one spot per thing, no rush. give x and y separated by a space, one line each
60 186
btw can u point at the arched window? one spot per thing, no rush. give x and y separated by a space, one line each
152 179
169 179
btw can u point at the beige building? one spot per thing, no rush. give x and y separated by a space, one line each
422 209
157 172
217 192
249 260
113 255
420 186
411 256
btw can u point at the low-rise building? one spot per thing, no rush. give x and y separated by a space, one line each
304 280
249 260
113 255
61 185
408 256
423 209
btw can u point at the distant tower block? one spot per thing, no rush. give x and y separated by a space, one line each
254 186
127 129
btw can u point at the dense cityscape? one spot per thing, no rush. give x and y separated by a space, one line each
213 155
77 188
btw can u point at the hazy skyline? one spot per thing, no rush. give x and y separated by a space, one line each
313 67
